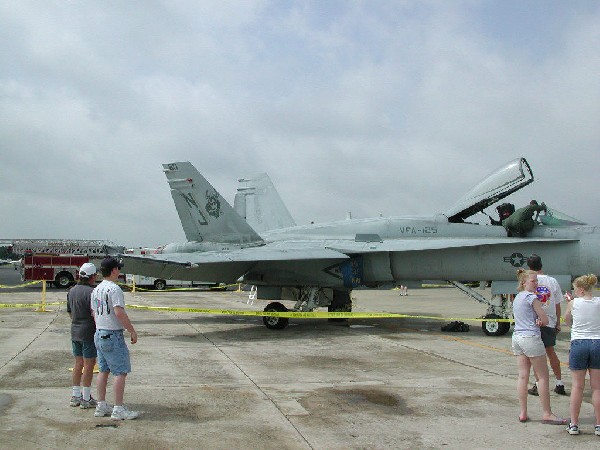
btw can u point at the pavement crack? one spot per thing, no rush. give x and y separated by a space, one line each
32 341
261 390
445 358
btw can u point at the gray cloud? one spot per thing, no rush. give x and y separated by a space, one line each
386 107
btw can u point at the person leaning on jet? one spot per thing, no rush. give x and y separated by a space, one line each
521 221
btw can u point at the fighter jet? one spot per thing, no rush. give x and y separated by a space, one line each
319 264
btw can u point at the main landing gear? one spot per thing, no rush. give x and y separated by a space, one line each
308 299
499 307
273 322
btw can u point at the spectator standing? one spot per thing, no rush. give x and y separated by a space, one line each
551 297
528 347
583 316
82 337
108 306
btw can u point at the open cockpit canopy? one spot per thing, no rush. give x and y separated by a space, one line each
502 182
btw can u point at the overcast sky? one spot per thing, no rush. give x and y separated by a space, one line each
374 107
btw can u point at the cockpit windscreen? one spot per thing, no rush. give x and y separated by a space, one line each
554 218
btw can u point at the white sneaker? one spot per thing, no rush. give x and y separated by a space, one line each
103 409
122 413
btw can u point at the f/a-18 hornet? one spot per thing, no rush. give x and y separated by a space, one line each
319 264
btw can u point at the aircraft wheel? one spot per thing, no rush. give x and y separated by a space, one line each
275 323
63 280
160 285
494 328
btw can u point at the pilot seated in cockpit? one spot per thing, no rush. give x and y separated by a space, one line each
504 211
521 221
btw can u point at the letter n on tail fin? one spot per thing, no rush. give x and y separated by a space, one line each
205 215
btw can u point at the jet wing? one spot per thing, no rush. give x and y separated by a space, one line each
219 266
406 245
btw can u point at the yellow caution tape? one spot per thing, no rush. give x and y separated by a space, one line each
288 314
308 315
25 305
95 370
7 286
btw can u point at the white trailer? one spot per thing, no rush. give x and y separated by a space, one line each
156 283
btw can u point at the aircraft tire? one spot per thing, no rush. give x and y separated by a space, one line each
63 280
275 323
160 285
494 328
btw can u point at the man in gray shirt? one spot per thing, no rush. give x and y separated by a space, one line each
83 328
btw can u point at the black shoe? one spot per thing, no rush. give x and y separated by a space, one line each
450 327
456 326
533 390
560 390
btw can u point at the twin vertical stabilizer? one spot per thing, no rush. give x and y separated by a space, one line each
259 203
205 215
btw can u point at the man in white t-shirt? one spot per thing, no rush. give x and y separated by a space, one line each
550 295
108 307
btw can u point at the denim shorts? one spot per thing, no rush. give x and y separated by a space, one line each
86 349
584 354
530 346
113 354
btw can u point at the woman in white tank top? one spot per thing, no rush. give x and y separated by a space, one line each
583 316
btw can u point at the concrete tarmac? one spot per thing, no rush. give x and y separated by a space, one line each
224 382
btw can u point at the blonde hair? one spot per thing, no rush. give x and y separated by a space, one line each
586 282
522 275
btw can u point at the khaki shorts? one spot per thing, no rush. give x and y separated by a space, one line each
530 346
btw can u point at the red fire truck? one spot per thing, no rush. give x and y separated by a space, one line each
59 260
62 270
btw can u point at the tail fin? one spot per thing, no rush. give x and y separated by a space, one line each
204 213
259 203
